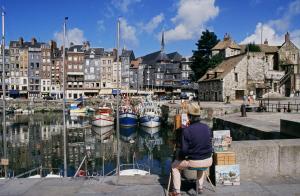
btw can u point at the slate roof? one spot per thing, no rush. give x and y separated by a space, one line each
224 67
159 56
128 53
175 56
263 47
97 51
78 47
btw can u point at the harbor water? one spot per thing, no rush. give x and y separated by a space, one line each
36 140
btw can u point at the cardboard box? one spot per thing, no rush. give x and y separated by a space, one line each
224 158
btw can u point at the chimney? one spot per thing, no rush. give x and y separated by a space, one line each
287 37
71 44
21 41
33 41
226 37
266 42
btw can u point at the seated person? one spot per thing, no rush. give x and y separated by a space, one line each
195 149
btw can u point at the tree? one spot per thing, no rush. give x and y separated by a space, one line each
202 56
252 47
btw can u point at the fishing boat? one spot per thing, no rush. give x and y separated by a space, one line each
150 113
128 116
103 117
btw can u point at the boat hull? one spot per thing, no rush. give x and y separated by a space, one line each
150 121
128 119
103 121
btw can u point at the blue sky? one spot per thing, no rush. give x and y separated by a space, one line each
143 20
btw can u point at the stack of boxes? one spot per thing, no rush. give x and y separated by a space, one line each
226 170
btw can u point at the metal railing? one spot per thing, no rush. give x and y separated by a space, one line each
280 107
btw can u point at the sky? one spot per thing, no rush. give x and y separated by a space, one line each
142 22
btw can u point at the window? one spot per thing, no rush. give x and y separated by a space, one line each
31 65
69 58
37 65
75 58
69 66
109 62
87 62
103 62
236 78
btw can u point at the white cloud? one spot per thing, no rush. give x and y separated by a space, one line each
191 18
74 35
268 33
153 23
128 33
100 25
123 5
274 30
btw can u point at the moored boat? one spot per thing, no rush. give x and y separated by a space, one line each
103 117
150 113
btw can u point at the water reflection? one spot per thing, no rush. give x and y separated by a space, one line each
37 140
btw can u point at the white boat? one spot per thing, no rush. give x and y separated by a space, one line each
134 172
103 117
150 113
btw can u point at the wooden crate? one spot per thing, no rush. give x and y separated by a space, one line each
224 158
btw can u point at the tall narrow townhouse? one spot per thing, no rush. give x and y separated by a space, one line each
75 71
6 70
92 71
107 61
34 63
47 55
57 70
18 83
126 57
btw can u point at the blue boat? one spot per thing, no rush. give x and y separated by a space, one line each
128 117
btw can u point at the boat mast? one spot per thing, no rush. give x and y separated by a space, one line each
3 92
64 101
118 100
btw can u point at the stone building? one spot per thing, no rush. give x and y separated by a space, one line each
227 47
274 68
57 74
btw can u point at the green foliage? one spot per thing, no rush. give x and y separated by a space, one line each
202 56
252 47
215 60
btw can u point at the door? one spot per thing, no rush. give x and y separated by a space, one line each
239 94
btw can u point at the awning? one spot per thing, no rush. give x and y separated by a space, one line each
14 92
105 92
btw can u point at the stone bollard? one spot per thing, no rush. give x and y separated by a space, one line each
243 110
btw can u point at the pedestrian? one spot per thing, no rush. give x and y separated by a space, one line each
195 149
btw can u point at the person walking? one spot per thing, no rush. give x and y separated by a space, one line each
195 149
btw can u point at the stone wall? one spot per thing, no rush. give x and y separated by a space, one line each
207 90
268 158
291 128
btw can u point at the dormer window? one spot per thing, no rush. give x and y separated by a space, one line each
75 49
